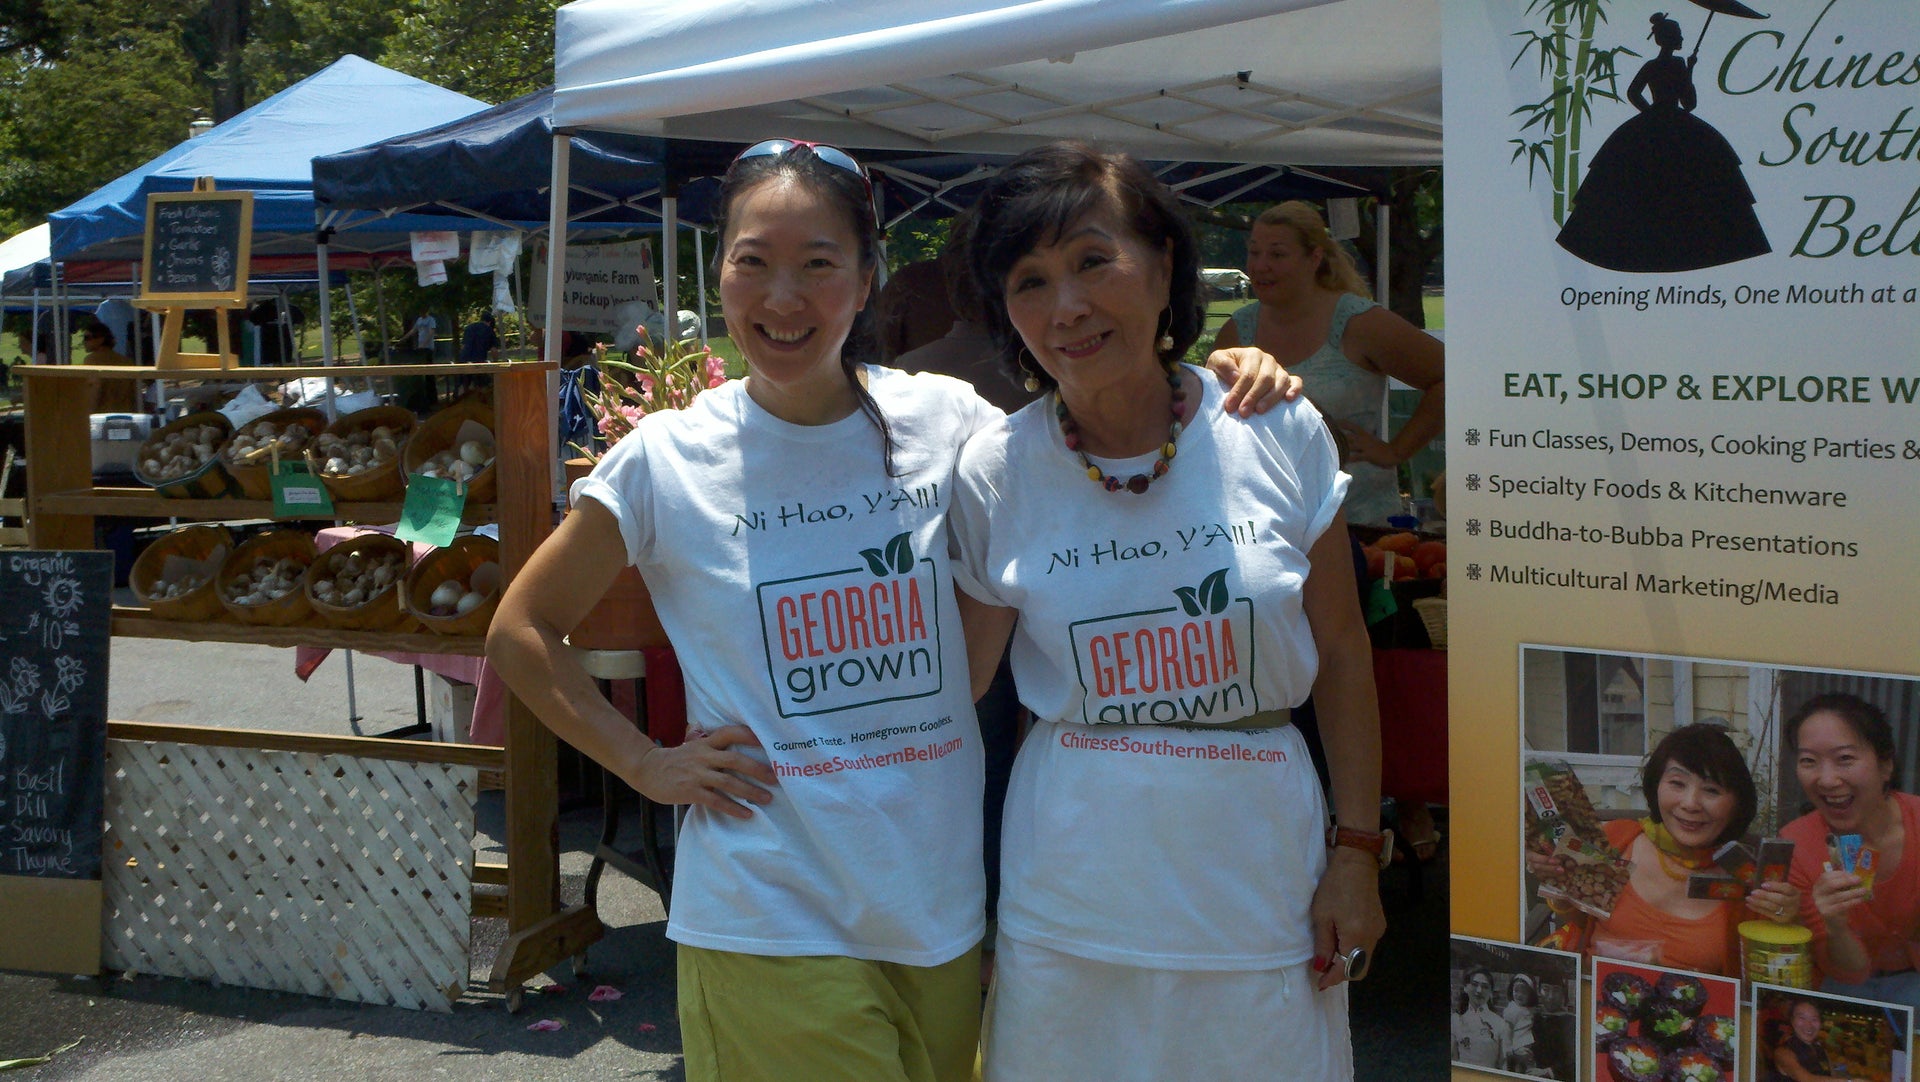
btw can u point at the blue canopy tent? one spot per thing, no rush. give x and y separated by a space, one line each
268 149
492 166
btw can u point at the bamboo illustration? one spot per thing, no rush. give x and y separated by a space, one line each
1580 73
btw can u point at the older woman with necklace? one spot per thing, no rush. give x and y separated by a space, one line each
1174 900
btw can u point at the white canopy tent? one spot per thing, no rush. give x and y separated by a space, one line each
1322 82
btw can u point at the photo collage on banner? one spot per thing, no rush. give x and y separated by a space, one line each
1683 315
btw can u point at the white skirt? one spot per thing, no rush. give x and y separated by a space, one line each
1055 1017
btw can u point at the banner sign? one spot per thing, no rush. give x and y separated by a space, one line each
1683 308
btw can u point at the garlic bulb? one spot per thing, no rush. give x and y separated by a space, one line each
446 594
176 454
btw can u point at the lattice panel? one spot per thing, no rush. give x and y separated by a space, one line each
324 874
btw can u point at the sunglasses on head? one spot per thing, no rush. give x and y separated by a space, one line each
832 155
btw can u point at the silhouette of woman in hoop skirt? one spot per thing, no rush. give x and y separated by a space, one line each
1665 191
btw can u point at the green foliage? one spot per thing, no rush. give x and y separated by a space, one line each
124 92
494 50
89 89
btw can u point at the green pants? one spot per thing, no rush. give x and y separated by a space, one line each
753 1018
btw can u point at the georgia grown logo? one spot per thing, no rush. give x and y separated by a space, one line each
856 636
1187 663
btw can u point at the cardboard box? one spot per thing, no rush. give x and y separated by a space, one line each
449 708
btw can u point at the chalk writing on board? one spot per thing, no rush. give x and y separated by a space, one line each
194 245
54 612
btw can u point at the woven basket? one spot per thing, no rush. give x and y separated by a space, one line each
1433 613
191 542
284 611
380 612
380 482
210 481
256 482
437 433
457 561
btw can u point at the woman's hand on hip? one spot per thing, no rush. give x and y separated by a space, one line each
1346 912
705 772
1367 447
1255 382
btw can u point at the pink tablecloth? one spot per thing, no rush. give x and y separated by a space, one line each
489 701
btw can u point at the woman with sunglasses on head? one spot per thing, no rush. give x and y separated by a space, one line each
791 526
1173 901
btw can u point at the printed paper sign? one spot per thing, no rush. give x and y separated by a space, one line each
296 491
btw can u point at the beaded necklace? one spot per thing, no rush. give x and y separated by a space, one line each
1139 482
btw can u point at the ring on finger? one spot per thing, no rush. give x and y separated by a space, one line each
1355 963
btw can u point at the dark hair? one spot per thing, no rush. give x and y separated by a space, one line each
96 329
1519 981
1708 751
849 192
1867 721
1662 23
1466 979
1041 194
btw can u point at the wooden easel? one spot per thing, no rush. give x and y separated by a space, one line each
174 306
173 319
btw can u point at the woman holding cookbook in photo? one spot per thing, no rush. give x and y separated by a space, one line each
1700 795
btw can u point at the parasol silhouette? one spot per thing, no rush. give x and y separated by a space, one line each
1721 7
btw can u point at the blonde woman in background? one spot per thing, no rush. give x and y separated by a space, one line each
1311 311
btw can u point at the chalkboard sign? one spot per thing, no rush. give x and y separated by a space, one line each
197 248
54 609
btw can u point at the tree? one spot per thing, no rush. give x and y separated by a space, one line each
494 50
1413 237
122 92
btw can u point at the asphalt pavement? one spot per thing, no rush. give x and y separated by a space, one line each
140 1027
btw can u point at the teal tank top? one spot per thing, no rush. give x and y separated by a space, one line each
1341 389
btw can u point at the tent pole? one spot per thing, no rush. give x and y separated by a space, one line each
556 244
670 266
559 191
326 317
380 306
1383 215
700 278
353 317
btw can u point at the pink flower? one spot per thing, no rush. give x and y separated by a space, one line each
605 993
716 370
648 1027
547 1025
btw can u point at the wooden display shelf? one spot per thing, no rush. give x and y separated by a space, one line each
541 932
136 623
144 503
278 374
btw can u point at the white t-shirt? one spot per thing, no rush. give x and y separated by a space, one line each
1125 840
423 329
808 596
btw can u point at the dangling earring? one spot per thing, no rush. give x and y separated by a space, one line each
1027 365
1165 324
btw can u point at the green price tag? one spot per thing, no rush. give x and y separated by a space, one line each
432 512
296 492
1380 601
